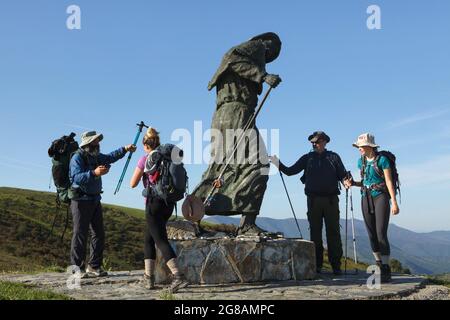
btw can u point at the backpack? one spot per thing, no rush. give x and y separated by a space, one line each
309 164
172 182
393 166
61 151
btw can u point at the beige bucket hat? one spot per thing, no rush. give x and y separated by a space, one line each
365 140
89 136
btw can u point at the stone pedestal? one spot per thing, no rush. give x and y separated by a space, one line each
231 260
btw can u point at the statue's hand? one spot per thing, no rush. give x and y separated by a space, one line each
218 183
272 80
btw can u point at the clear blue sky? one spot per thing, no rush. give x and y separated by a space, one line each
152 60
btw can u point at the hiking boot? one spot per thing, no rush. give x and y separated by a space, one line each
178 282
96 272
337 271
149 281
385 273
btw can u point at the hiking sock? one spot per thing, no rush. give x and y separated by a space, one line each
385 260
173 266
377 256
150 266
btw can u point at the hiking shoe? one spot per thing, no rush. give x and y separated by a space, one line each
84 274
385 273
96 272
178 282
149 281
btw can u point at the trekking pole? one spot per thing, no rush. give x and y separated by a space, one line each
290 203
353 233
140 127
247 125
346 228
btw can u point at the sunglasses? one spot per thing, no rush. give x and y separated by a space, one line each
317 142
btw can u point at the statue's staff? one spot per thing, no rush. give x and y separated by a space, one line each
219 178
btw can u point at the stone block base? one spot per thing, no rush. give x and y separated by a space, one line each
230 260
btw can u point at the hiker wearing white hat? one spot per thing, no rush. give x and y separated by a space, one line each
86 168
378 197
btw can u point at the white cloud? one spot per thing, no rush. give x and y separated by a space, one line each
417 118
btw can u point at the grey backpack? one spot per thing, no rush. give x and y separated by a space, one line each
172 180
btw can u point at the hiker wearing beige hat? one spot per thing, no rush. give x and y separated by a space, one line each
378 193
86 168
157 213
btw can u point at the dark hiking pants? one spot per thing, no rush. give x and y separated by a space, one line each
319 209
157 213
87 215
376 218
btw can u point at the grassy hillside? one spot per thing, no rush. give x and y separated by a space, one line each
25 221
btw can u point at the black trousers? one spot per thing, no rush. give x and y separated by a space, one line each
87 215
157 213
320 209
376 214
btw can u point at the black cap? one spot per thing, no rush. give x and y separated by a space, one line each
319 135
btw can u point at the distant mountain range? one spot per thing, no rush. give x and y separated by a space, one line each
422 253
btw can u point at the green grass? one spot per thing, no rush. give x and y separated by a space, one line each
167 295
442 279
26 218
17 291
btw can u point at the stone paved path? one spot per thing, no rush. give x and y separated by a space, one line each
126 285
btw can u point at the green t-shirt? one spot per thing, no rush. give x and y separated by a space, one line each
370 176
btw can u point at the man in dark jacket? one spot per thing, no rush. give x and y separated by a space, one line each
323 170
86 168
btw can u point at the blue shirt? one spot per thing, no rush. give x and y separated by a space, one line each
370 176
81 172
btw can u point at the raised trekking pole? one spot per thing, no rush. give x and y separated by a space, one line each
140 127
346 229
290 203
247 125
353 233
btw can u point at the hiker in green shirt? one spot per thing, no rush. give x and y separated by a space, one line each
378 191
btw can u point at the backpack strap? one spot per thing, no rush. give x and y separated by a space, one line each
377 169
308 163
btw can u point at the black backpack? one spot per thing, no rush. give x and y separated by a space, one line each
172 183
61 151
329 156
393 166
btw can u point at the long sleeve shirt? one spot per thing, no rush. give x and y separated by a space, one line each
323 172
81 172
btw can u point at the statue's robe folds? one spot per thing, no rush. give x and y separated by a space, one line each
238 82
